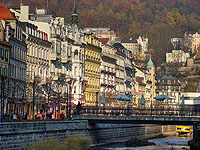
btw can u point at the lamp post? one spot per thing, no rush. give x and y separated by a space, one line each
70 105
33 97
34 86
69 94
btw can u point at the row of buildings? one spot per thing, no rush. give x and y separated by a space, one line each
46 61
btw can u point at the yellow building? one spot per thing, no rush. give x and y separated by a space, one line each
92 68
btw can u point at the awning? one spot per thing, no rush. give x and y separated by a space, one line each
83 106
16 101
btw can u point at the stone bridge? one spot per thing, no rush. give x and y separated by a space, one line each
165 120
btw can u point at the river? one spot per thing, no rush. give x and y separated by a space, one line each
178 143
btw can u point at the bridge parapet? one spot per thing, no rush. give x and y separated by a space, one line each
139 119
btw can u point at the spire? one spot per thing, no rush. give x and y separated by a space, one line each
74 10
150 64
74 15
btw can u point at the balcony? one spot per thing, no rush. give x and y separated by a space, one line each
53 56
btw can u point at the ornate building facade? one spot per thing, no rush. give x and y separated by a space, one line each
92 68
4 67
18 52
108 72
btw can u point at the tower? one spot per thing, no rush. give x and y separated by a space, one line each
74 15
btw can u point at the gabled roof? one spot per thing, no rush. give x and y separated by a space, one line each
5 13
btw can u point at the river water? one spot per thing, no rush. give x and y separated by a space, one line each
178 143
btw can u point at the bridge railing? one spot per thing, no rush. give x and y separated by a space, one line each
186 111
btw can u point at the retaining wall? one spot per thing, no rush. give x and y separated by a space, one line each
19 135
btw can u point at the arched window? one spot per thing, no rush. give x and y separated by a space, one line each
76 54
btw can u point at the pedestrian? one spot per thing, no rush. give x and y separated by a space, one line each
79 108
25 115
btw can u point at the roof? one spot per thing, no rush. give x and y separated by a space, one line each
103 40
118 45
150 64
129 41
5 13
5 43
168 77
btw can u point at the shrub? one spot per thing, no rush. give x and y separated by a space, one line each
77 143
47 145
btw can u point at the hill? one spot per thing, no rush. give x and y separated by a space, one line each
159 20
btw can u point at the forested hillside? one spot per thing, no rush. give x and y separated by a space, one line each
158 19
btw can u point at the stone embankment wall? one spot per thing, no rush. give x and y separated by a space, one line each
19 135
106 133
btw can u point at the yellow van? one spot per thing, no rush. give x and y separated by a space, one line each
183 130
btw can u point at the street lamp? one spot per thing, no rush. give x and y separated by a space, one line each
69 91
34 86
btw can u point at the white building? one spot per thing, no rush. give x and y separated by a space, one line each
143 42
66 54
107 68
194 41
189 98
177 56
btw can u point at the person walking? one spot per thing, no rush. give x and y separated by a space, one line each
79 108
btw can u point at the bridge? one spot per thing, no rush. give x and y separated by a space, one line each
186 116
165 120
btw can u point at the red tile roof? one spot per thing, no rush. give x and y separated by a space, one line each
103 40
5 13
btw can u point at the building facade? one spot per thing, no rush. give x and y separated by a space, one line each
17 64
177 57
4 67
120 68
170 86
92 68
143 42
107 68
